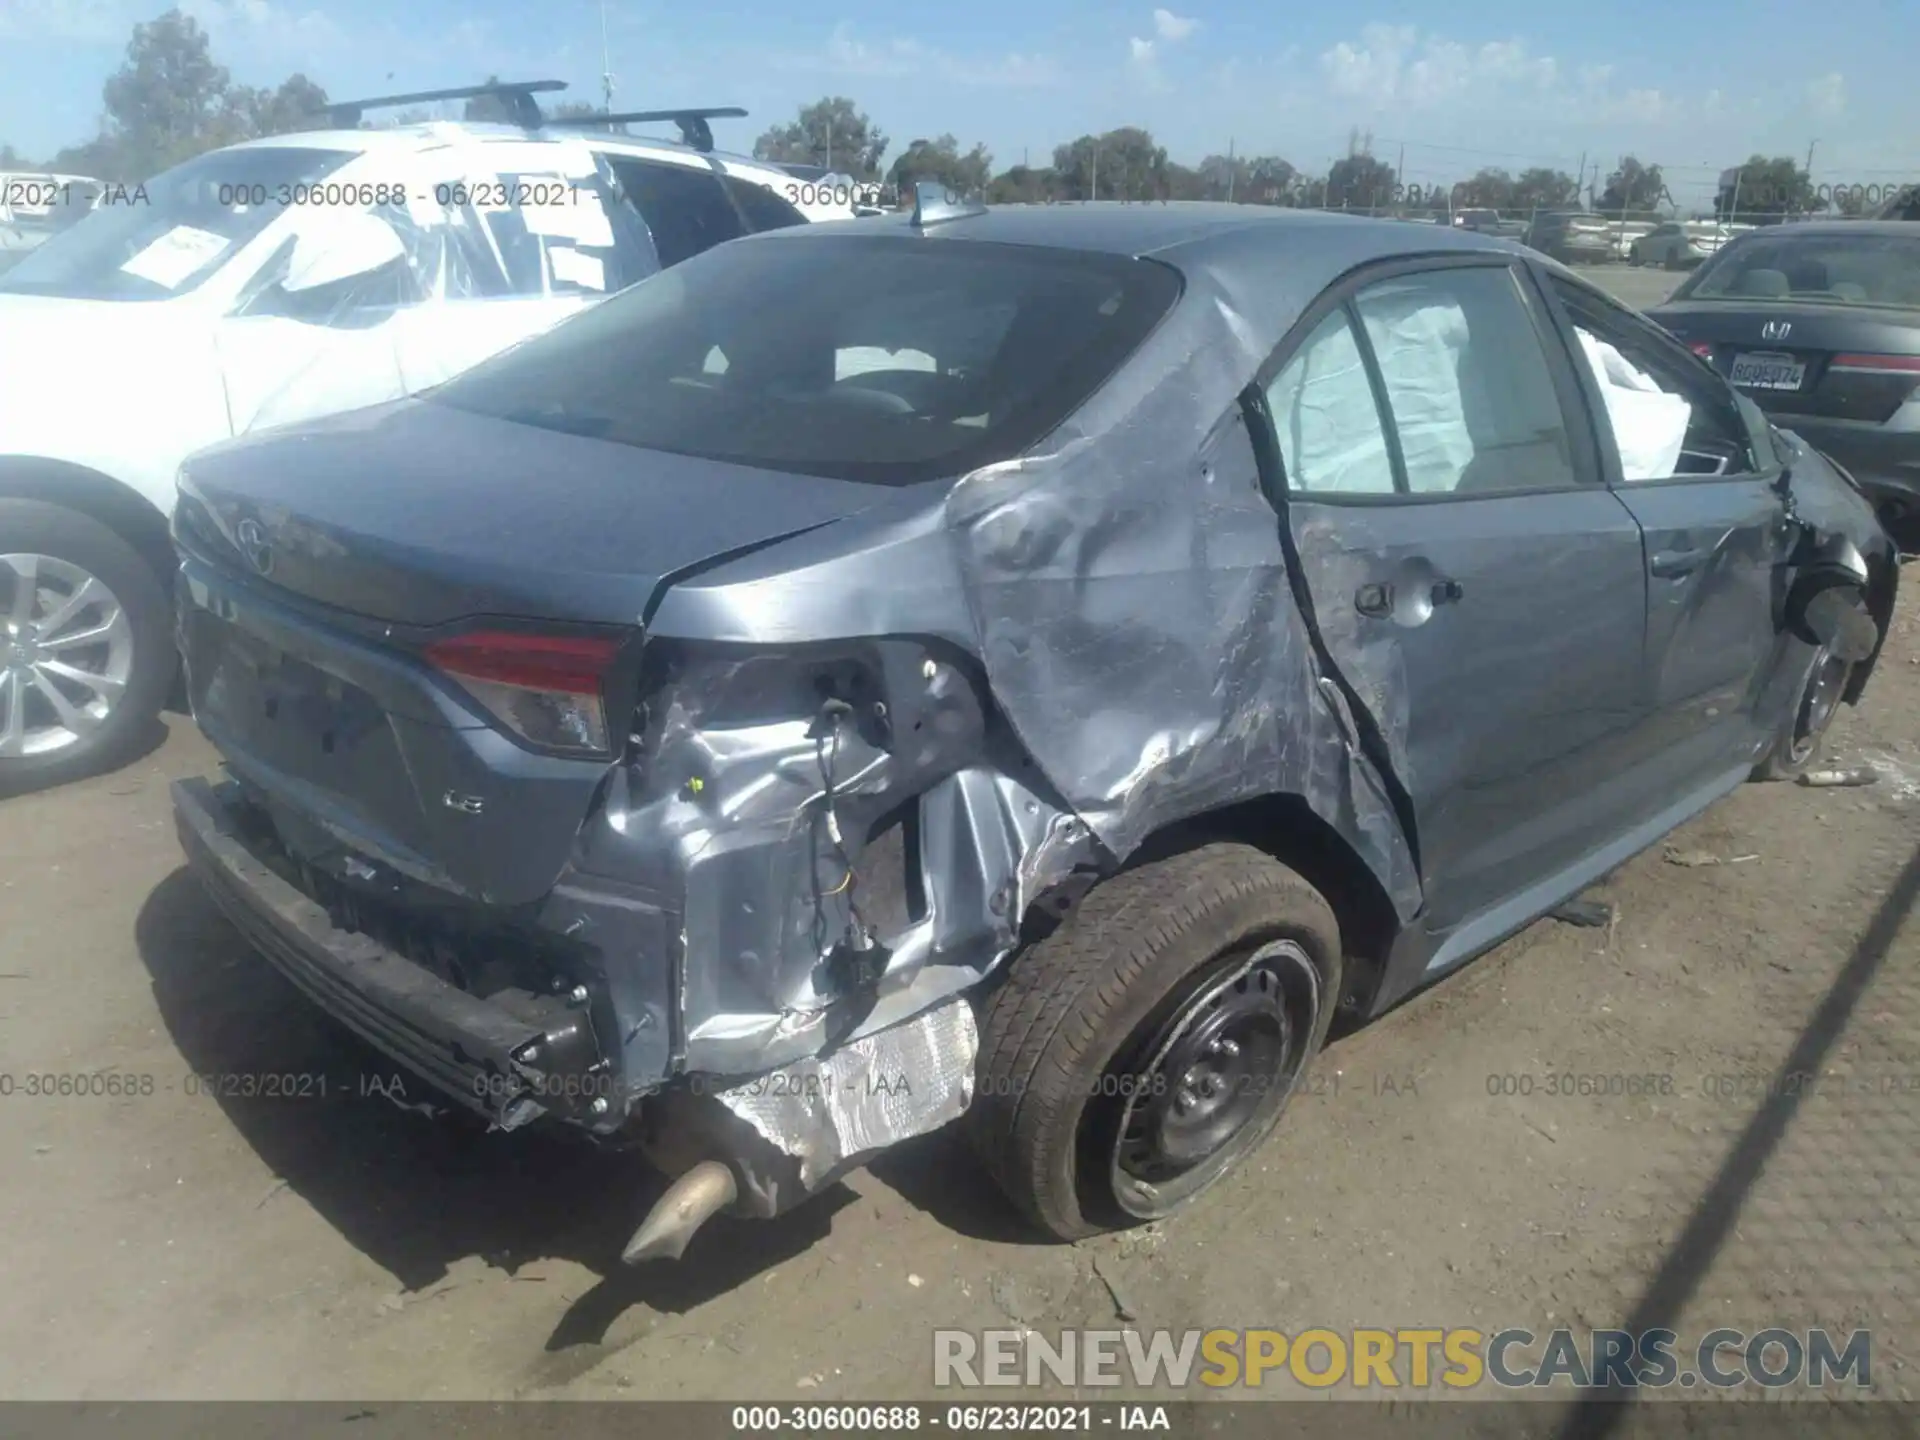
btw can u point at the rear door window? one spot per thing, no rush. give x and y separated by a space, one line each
1467 382
684 206
880 359
764 210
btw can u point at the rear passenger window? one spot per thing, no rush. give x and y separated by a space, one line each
1471 398
764 209
1331 439
683 205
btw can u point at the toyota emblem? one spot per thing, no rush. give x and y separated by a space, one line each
1776 330
252 540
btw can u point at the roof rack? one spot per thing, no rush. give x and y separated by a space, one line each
517 95
694 130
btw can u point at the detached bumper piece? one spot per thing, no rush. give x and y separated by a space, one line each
508 1065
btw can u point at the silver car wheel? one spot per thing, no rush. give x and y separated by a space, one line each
66 654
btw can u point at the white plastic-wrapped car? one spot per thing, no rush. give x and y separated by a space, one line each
275 281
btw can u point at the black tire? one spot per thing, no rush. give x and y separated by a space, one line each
35 527
1801 741
1082 1022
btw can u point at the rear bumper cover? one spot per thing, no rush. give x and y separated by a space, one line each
508 1067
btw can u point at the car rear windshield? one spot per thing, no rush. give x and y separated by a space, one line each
165 236
1826 269
887 360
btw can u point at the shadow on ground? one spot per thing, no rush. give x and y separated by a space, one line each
1713 1224
417 1193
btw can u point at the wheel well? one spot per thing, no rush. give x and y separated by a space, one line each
1286 828
74 487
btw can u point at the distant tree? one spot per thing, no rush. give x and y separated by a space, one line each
1122 164
1360 182
832 131
1023 185
1253 179
1633 186
1541 187
1490 189
168 101
941 161
297 105
1764 187
12 159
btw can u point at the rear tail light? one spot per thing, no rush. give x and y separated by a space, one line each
1878 364
547 689
1702 349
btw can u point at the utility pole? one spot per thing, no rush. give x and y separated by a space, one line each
1400 172
1093 186
1580 180
606 63
829 142
1229 169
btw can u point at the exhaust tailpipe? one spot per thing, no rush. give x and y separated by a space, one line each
692 1200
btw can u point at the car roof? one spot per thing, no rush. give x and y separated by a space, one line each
1189 228
1236 242
440 134
1828 228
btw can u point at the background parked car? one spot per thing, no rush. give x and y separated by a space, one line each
270 282
1572 237
1820 324
1489 222
34 205
1678 244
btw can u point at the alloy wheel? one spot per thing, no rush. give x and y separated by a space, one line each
66 654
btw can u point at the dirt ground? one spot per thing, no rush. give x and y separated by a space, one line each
178 1245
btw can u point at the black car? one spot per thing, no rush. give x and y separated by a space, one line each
1036 664
1820 324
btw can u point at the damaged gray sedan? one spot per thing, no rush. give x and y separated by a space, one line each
1042 666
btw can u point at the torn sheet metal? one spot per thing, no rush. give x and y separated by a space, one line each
871 1093
1130 591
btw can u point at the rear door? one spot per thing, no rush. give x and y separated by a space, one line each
1477 587
1677 453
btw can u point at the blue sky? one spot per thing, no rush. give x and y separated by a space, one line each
1692 84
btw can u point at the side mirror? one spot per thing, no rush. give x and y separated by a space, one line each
335 245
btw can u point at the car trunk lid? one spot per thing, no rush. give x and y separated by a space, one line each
419 514
323 562
1828 362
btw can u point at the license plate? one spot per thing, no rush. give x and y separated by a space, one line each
1760 371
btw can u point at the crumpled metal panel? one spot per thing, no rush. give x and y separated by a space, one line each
1131 597
871 1093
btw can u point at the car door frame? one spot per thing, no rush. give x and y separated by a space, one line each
1420 954
1768 506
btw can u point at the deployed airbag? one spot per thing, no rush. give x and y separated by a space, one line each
1649 424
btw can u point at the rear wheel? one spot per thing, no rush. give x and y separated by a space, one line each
1801 741
1133 1057
86 650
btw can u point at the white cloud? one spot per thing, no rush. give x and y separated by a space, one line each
1140 50
1828 94
261 25
1173 28
901 57
87 22
1396 64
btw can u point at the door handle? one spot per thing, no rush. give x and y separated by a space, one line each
1672 564
1446 592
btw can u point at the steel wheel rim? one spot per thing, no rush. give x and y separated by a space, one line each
1269 1006
66 654
1818 702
